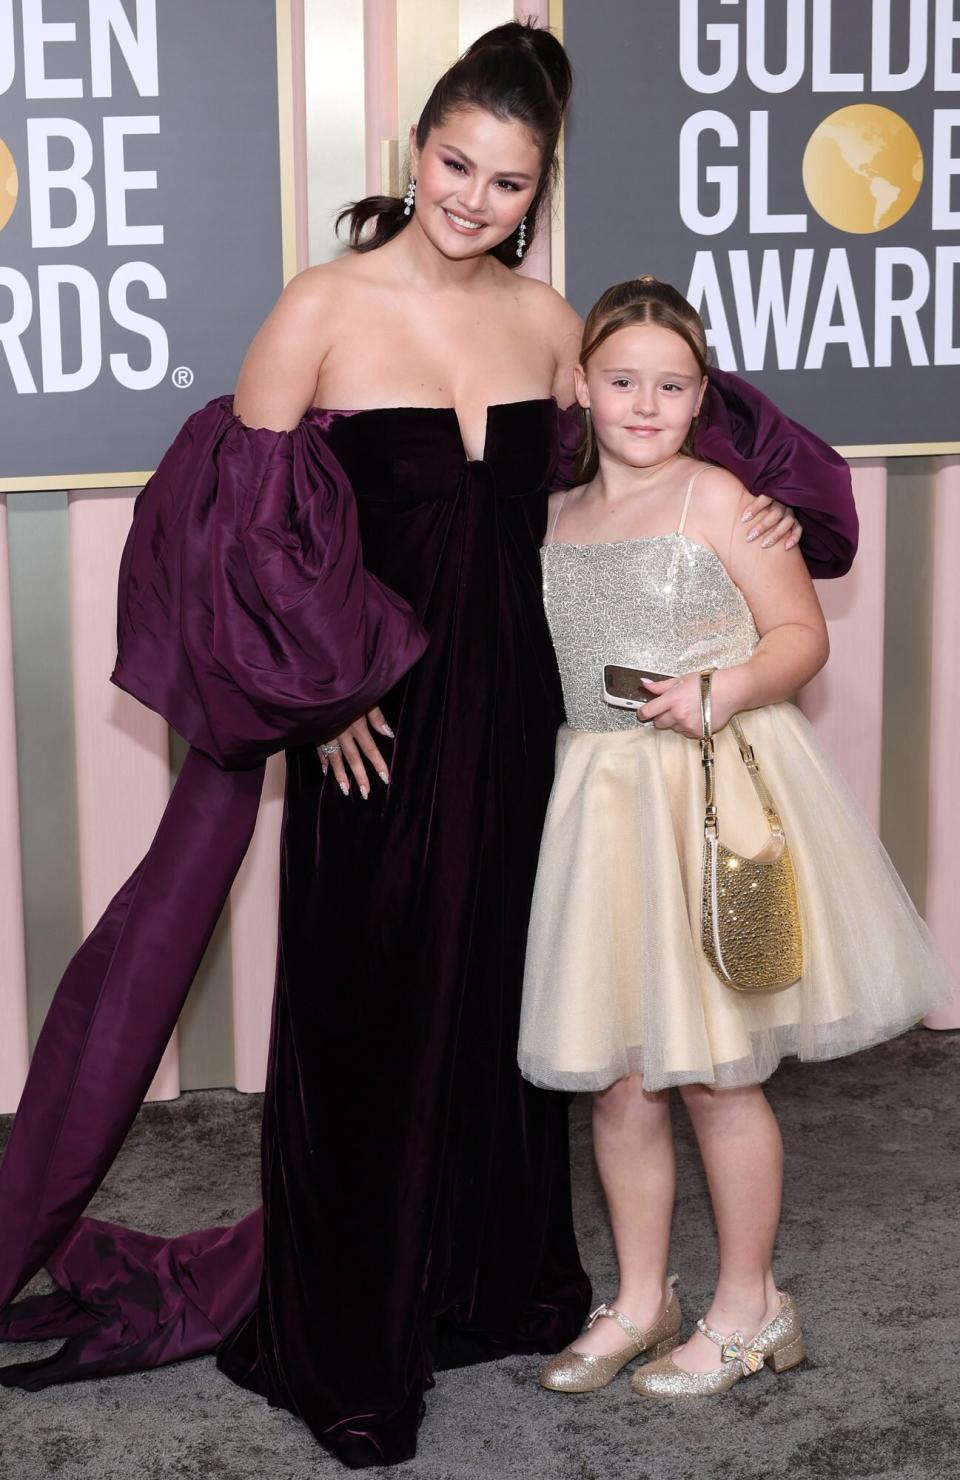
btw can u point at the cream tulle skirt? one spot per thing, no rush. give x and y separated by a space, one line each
616 982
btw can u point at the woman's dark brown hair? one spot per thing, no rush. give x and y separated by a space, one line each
642 300
518 73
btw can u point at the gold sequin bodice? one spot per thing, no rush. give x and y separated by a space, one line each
665 604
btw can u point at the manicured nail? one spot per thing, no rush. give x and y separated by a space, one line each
386 730
345 788
746 516
324 767
364 792
754 534
383 777
766 544
790 544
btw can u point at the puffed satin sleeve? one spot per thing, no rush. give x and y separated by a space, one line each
247 620
741 429
245 615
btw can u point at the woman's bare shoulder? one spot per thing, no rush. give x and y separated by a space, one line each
279 374
313 303
316 289
548 318
547 305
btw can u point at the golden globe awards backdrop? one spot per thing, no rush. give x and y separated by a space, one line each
793 166
140 223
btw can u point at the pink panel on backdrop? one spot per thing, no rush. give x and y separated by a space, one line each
253 936
299 134
845 700
943 915
14 1049
379 84
536 263
122 751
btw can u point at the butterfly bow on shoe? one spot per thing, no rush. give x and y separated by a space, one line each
778 1345
735 1349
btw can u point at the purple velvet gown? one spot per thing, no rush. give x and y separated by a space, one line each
416 1189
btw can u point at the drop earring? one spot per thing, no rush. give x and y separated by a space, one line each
410 196
522 238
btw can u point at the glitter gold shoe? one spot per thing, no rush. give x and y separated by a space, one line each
780 1342
571 1371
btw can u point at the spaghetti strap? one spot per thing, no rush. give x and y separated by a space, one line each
553 523
686 501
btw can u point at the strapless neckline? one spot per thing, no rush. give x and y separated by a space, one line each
648 539
644 539
636 539
651 539
321 412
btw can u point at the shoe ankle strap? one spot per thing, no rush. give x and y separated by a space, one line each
713 1335
624 1322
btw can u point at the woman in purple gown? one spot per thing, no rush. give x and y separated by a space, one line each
416 1198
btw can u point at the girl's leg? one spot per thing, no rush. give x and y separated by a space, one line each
633 1144
742 1152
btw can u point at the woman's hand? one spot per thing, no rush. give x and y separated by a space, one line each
677 705
771 522
346 753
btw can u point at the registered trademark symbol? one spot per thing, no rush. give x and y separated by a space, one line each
182 377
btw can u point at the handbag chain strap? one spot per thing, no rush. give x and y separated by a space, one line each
708 757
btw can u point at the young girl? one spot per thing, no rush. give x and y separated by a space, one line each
641 568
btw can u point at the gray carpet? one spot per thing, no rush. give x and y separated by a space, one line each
869 1246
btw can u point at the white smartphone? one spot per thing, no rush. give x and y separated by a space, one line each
625 688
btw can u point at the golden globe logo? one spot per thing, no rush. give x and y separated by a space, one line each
862 172
863 168
9 184
55 183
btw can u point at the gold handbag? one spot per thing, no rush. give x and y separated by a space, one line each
749 913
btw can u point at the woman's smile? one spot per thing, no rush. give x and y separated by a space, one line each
463 223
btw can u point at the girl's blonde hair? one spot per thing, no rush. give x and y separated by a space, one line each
642 300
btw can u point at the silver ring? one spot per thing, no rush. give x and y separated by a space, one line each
330 749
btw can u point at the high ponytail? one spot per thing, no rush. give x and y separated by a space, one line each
518 73
543 46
